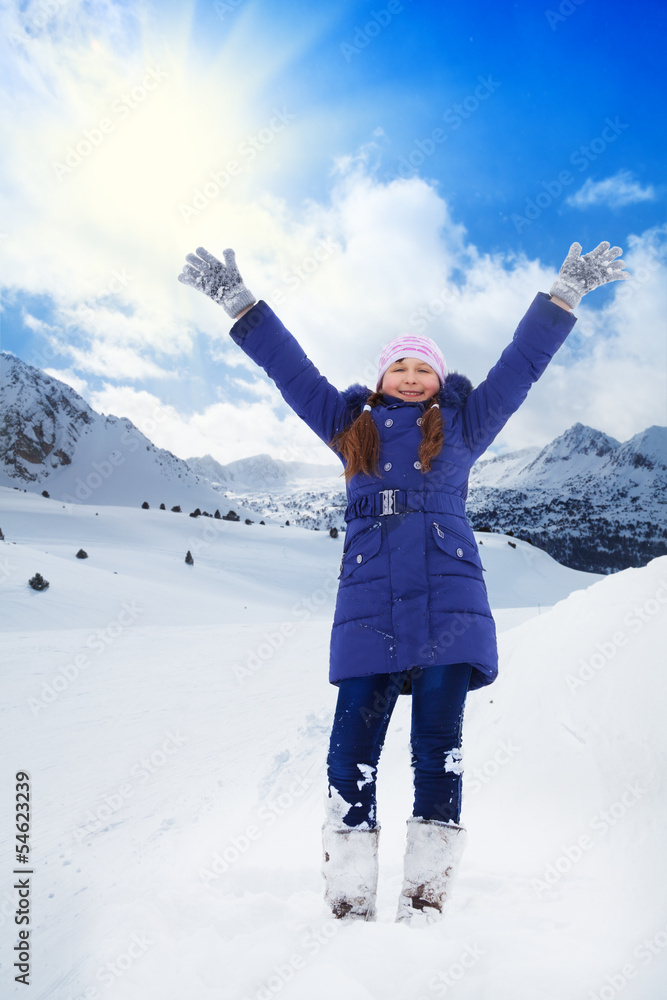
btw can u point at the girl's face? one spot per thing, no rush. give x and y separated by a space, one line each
410 378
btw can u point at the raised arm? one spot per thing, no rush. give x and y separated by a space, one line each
538 336
265 340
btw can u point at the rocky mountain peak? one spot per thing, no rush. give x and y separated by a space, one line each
41 419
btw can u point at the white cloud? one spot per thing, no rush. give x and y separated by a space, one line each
346 274
227 430
615 192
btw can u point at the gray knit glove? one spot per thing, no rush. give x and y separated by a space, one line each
221 282
579 275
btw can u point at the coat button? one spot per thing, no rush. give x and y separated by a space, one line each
419 421
388 422
387 466
417 465
459 553
360 558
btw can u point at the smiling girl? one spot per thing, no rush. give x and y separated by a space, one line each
412 613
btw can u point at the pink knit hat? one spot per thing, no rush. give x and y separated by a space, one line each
411 346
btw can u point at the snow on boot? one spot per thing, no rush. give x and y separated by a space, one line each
432 856
350 870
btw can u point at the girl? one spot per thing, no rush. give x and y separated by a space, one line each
412 614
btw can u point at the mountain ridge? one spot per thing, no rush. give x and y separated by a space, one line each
590 501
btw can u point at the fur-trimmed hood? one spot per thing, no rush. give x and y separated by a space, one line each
454 392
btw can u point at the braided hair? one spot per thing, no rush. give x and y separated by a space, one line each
359 443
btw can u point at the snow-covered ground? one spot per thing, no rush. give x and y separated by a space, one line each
174 721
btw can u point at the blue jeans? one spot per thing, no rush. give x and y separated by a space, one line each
360 723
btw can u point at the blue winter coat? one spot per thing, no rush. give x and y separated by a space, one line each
411 590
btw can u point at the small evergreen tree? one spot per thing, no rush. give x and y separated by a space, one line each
45 494
145 505
333 532
217 513
82 554
286 522
188 558
38 582
162 507
2 537
176 510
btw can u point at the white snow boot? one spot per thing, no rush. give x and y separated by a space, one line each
350 870
432 856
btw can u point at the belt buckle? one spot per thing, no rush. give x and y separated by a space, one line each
389 501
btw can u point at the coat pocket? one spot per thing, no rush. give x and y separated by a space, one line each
457 546
363 546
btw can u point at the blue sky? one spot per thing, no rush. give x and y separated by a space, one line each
366 161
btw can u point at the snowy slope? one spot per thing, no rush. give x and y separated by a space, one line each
266 569
177 764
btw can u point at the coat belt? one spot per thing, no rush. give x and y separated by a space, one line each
385 502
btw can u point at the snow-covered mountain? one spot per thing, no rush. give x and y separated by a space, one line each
259 472
51 439
591 502
580 458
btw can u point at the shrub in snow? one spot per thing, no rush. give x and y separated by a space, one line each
231 516
333 532
513 544
145 505
176 510
217 513
248 521
262 522
188 558
162 507
45 494
286 522
82 554
38 582
2 537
